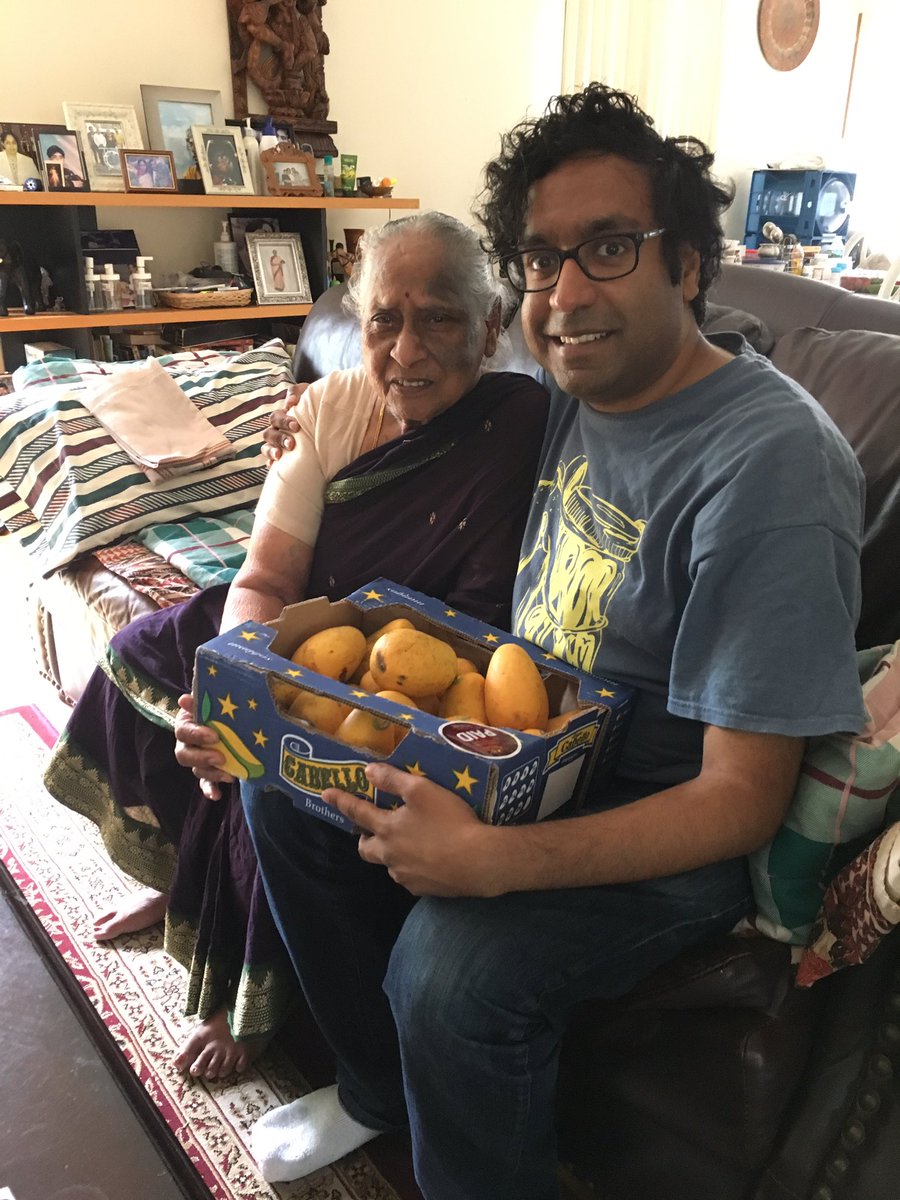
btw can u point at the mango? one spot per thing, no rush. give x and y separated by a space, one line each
361 728
514 692
429 704
464 666
412 662
283 694
464 698
400 623
319 711
367 683
335 652
400 731
555 724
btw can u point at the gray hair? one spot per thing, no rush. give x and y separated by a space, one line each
468 268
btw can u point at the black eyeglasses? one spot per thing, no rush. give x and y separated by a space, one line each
608 256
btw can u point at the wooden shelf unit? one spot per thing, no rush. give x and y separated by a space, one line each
54 221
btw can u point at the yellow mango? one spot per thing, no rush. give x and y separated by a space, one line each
398 698
412 662
555 724
464 698
361 728
514 692
367 683
335 652
429 704
534 732
400 623
283 694
319 711
464 666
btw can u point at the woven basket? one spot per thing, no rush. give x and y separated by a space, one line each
205 299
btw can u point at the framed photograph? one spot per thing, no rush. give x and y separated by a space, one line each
278 268
105 129
223 161
148 171
290 172
18 153
170 112
59 153
241 226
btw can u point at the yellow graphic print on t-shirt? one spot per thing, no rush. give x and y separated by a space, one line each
576 563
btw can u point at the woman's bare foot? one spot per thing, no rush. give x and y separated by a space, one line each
212 1053
138 911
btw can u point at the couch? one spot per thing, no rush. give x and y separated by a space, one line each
717 1079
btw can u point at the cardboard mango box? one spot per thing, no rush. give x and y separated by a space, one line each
507 776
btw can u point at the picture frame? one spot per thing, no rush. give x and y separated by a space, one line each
223 161
278 268
18 153
289 171
60 147
241 226
149 170
170 112
104 129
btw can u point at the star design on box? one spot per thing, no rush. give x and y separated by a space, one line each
229 708
449 612
249 636
293 674
359 695
415 769
464 781
213 670
259 738
252 704
606 694
491 637
373 595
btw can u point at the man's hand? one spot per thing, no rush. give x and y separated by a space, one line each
433 844
195 748
279 435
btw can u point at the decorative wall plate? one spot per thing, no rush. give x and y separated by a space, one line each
787 30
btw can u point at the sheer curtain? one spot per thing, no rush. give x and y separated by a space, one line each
667 53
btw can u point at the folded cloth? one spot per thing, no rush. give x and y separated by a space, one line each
861 906
149 416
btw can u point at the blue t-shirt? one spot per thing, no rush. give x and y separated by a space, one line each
704 549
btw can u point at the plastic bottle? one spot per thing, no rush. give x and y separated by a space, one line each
328 174
92 287
141 283
251 147
225 251
109 287
267 141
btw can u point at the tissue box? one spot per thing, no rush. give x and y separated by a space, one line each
506 776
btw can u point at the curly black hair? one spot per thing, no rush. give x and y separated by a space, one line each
687 200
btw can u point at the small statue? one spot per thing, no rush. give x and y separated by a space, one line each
14 266
279 45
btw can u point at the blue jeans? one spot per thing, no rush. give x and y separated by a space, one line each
479 991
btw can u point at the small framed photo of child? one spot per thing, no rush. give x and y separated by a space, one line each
149 171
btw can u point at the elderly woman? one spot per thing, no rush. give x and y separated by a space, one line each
417 466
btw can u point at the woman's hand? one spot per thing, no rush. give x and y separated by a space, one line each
279 436
195 748
433 844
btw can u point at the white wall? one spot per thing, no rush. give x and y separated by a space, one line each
420 90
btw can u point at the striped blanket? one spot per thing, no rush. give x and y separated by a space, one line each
208 550
68 488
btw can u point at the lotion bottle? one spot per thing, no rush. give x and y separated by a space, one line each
92 287
251 147
141 283
109 287
225 251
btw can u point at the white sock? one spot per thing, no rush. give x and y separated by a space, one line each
296 1139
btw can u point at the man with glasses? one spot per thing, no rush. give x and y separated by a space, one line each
695 533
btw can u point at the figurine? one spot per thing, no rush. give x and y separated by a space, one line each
15 267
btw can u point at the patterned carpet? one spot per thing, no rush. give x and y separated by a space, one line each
58 863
